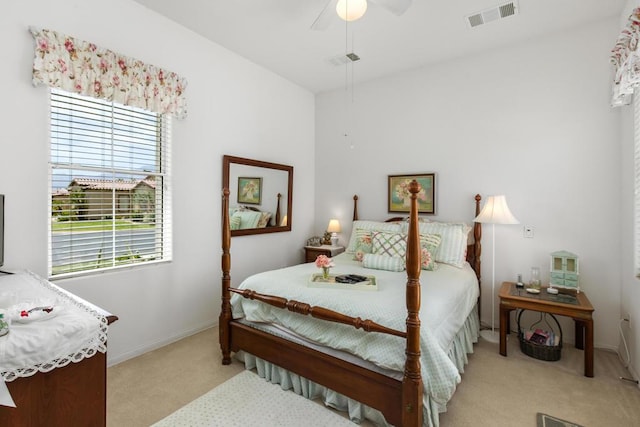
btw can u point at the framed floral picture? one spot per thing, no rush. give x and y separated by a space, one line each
399 198
249 190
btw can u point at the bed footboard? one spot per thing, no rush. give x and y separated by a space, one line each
382 392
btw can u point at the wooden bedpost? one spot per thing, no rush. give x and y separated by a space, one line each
278 211
477 248
412 387
355 207
225 310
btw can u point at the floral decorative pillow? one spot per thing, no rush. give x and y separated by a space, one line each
429 244
363 244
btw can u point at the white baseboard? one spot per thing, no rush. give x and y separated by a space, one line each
157 344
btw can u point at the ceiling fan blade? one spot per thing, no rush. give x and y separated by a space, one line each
326 16
397 7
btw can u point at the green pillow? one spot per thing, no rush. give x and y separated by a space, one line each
383 262
248 219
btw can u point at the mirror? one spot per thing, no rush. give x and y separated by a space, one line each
260 195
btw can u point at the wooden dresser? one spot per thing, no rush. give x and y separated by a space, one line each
72 395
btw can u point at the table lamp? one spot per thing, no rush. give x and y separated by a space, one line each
495 211
334 229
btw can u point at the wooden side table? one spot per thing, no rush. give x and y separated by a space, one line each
571 304
312 252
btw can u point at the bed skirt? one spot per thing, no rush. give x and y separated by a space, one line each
462 346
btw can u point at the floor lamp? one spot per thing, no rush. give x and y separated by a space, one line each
495 211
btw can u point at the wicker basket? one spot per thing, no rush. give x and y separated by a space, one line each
549 353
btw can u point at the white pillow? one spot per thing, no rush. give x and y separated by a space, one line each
453 241
373 226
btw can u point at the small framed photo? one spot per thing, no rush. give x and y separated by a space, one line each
249 190
399 198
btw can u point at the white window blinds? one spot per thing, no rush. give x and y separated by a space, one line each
109 185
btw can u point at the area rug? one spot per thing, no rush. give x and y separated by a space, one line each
545 420
247 400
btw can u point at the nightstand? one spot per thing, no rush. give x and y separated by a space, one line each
567 303
312 252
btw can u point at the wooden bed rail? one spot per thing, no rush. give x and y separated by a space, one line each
318 312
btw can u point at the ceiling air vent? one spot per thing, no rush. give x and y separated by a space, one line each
342 59
492 14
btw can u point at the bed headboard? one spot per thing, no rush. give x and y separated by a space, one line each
474 249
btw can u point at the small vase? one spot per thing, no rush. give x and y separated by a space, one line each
325 273
535 278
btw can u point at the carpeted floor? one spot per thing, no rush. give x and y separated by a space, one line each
510 391
495 390
241 402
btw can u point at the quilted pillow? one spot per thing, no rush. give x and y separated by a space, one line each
363 244
453 244
429 245
383 262
371 226
264 219
389 244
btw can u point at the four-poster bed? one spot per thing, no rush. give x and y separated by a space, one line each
399 396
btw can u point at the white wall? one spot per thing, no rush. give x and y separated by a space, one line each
235 107
630 292
530 121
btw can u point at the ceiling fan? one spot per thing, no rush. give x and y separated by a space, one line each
350 10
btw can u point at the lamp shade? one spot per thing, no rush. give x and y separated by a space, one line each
334 226
496 211
351 10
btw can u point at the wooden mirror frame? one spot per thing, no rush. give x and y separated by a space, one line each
226 165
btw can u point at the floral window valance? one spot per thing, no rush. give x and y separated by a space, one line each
81 67
625 58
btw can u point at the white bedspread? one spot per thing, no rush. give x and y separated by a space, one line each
448 296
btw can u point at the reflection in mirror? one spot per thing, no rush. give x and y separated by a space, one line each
260 195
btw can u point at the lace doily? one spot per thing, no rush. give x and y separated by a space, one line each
89 342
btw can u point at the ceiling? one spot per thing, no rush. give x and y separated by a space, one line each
277 34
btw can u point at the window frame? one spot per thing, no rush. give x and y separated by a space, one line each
161 222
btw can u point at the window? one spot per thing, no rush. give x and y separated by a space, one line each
109 185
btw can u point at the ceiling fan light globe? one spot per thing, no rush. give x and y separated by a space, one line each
351 10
